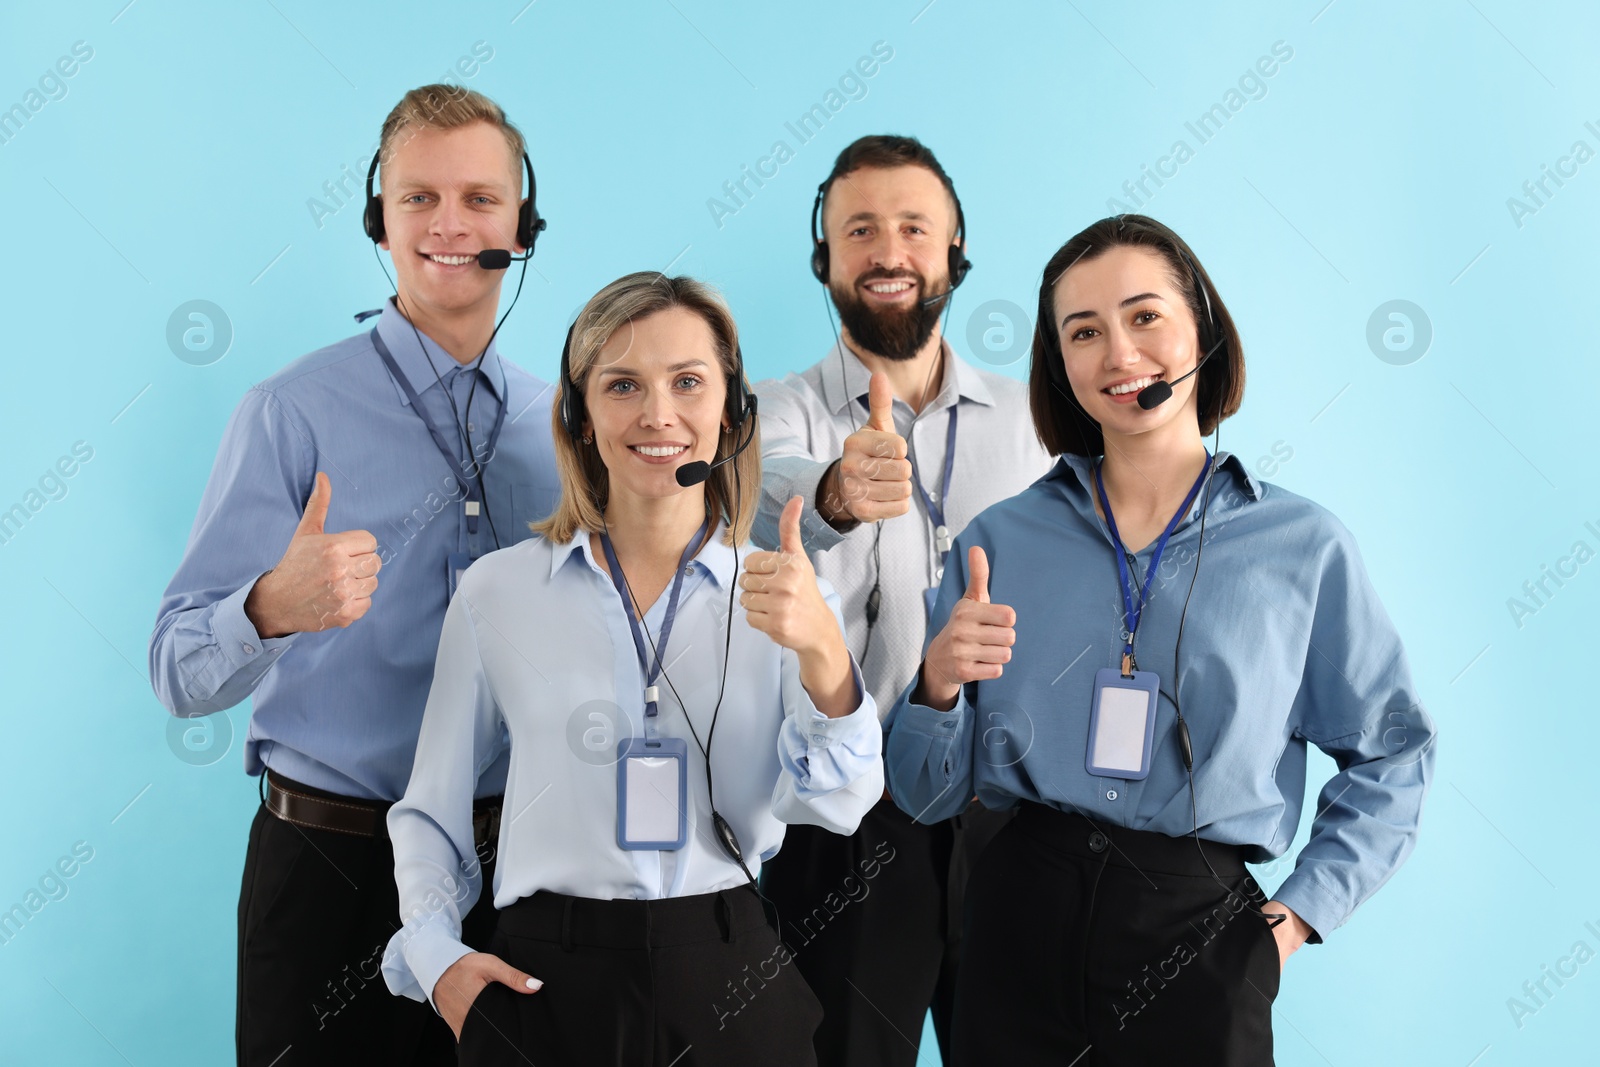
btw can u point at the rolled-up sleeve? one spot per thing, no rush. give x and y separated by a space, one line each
436 867
205 655
832 768
789 468
1357 703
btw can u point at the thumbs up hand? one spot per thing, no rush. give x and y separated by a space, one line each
974 644
781 599
323 580
872 480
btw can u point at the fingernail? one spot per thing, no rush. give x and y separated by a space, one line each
535 985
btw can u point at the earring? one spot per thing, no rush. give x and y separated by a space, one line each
587 440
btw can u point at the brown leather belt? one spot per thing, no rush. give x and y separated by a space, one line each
314 809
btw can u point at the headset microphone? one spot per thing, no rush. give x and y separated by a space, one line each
1158 393
955 281
692 474
500 258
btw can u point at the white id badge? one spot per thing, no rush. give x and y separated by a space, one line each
1122 724
652 794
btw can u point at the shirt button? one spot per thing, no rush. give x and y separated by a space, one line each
472 427
249 650
1111 794
1097 842
819 738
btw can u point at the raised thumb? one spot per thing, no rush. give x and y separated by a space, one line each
789 527
880 403
978 568
316 507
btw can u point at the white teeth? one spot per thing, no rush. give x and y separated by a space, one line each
1130 387
889 287
659 450
452 261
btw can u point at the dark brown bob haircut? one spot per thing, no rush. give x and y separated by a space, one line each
1058 418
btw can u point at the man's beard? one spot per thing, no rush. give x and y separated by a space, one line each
892 333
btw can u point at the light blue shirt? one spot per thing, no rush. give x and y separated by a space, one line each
1286 644
805 419
340 709
537 658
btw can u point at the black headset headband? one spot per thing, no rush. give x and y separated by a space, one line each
529 222
956 263
1206 331
739 404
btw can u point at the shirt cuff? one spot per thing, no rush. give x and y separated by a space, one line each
1316 907
417 957
816 533
929 722
821 730
236 635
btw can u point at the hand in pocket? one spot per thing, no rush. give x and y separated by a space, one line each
459 986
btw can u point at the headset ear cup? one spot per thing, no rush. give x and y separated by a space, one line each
525 231
372 218
739 398
819 262
529 222
958 264
571 420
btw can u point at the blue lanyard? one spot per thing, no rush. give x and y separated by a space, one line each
1131 611
469 487
941 531
651 670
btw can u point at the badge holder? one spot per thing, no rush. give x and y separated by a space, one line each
652 794
1122 724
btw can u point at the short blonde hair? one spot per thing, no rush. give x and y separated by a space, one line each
733 490
448 107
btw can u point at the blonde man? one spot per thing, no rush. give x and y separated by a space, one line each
411 447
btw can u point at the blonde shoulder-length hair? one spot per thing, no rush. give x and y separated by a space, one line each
733 490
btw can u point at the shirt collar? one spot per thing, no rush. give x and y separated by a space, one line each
838 394
1080 469
715 559
419 362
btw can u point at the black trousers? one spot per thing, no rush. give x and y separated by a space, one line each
316 910
1116 946
875 923
697 981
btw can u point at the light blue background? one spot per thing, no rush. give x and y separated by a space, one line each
1377 167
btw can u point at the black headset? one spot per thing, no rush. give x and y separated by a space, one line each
529 222
739 405
957 260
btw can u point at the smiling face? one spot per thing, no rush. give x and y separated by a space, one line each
448 195
1123 324
655 397
889 231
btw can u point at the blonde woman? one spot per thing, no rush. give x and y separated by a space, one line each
659 739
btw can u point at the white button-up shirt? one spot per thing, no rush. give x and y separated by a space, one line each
537 658
805 418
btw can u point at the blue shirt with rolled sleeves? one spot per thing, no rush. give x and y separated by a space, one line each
1286 644
340 709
